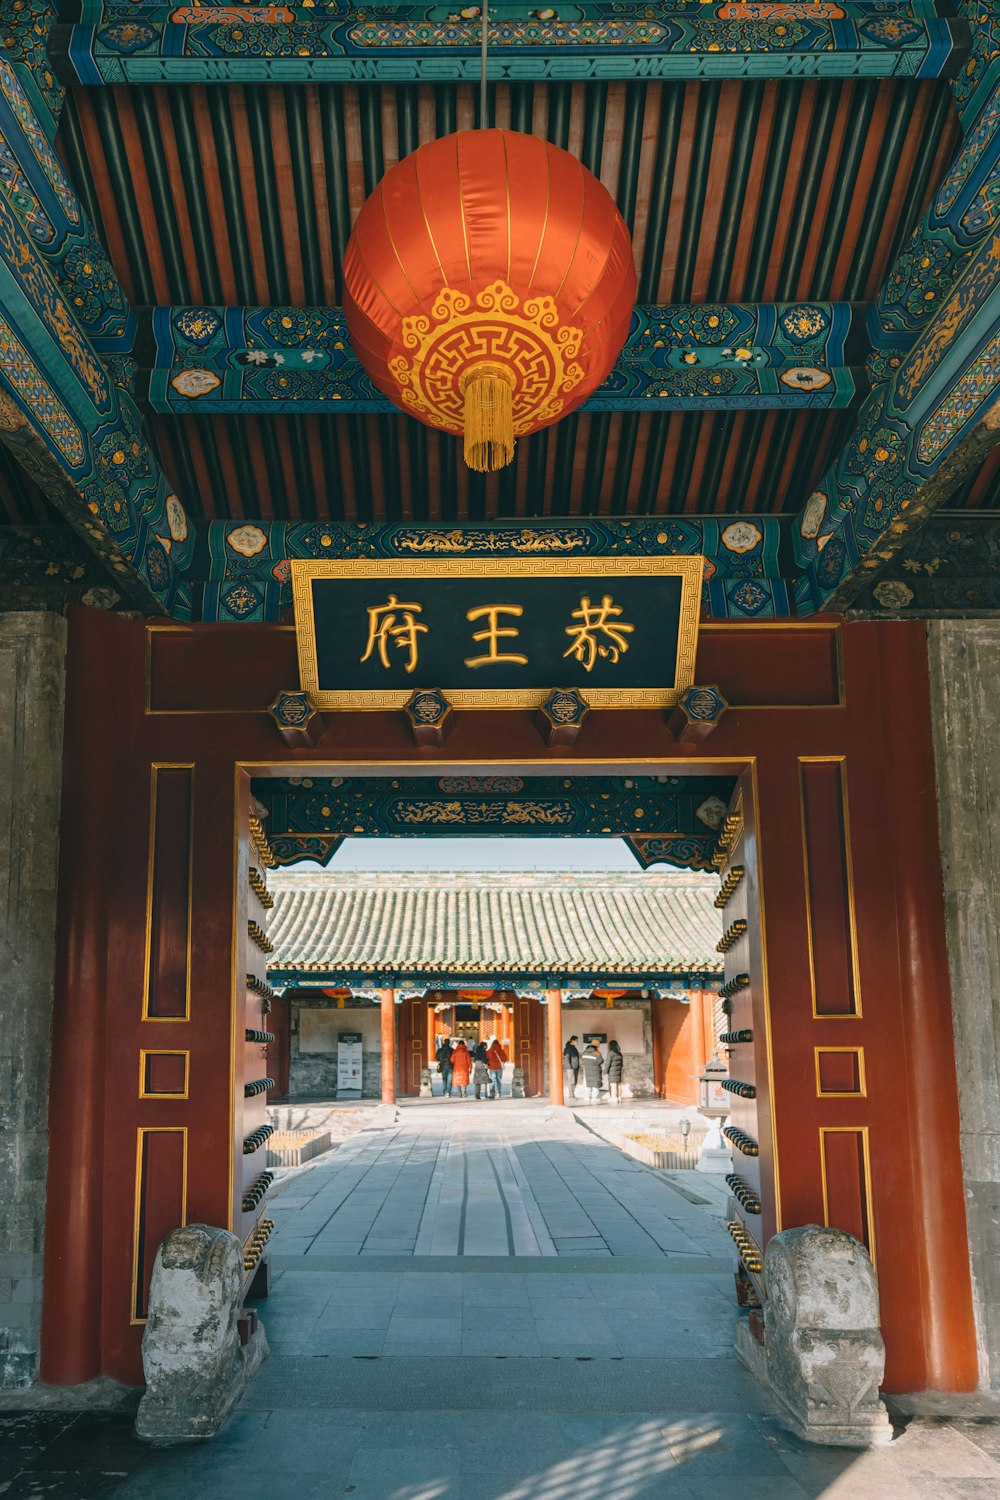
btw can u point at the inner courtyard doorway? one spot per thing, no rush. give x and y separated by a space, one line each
473 954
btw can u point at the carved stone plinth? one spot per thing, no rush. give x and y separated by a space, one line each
196 1368
823 1355
517 1084
426 1091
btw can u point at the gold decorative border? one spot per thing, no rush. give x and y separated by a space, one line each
154 628
747 627
852 919
141 1131
154 769
688 569
145 1052
861 1092
862 1131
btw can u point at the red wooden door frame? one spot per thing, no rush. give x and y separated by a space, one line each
808 698
529 1043
412 1046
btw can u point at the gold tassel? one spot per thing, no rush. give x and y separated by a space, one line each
489 417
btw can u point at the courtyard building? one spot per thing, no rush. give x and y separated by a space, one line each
480 955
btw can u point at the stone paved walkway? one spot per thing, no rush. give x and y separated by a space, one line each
489 1179
496 1305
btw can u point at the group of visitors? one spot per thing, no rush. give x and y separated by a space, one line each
484 1065
593 1064
481 1067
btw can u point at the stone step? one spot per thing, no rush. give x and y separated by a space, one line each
472 1383
618 1266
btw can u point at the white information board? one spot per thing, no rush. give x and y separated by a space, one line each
350 1059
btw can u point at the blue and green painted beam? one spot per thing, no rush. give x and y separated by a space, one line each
702 357
962 216
674 982
933 413
309 817
246 564
34 182
920 434
980 70
63 415
964 210
25 27
331 41
947 568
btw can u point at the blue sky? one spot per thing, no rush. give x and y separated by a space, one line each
481 854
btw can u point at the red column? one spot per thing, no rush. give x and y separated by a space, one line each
388 998
71 1309
702 1047
554 1009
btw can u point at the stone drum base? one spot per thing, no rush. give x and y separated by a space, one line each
196 1368
823 1357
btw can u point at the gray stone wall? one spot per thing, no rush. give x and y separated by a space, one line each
965 694
313 1075
588 1015
32 677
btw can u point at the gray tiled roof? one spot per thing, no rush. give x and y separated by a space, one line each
523 922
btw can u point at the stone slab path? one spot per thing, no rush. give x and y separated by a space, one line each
476 1304
489 1179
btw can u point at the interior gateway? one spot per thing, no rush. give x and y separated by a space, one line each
498 749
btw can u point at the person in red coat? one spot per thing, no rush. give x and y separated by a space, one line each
461 1068
495 1059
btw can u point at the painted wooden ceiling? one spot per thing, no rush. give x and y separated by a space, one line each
774 191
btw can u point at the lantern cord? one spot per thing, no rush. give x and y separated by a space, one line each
483 33
489 418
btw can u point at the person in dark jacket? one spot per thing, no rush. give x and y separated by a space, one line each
593 1068
444 1063
616 1066
480 1075
571 1063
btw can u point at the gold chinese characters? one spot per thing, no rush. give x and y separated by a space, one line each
598 633
394 622
493 634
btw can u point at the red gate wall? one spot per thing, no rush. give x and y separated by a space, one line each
682 1045
831 724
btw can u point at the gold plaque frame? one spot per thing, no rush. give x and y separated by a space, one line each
688 569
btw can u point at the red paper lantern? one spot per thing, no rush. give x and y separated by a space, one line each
489 285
